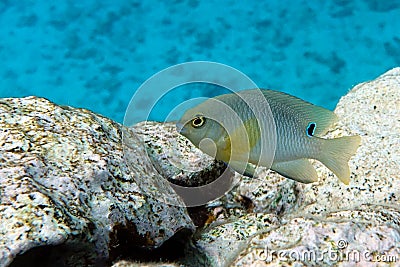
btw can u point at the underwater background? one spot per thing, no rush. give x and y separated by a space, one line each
95 54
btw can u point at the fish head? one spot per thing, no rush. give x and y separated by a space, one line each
198 127
203 128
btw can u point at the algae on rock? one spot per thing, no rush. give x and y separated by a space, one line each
64 181
66 177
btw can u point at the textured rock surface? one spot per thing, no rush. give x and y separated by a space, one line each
175 157
195 177
262 222
362 218
64 181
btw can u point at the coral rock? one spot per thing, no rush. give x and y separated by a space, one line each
68 181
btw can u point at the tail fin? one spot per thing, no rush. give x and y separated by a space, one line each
336 154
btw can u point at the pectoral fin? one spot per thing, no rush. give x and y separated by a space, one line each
299 170
243 168
245 137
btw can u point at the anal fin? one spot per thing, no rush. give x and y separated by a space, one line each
299 170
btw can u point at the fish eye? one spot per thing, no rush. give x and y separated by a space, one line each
198 121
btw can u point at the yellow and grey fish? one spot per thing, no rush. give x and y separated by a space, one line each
271 129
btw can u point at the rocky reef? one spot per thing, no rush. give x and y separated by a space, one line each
67 191
77 189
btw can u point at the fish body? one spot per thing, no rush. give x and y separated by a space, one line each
271 129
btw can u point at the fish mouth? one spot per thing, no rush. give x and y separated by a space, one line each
180 128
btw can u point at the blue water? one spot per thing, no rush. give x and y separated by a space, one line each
95 54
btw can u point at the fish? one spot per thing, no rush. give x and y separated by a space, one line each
267 128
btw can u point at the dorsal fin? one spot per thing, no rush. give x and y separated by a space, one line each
305 111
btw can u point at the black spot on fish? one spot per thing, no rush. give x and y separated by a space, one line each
311 129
